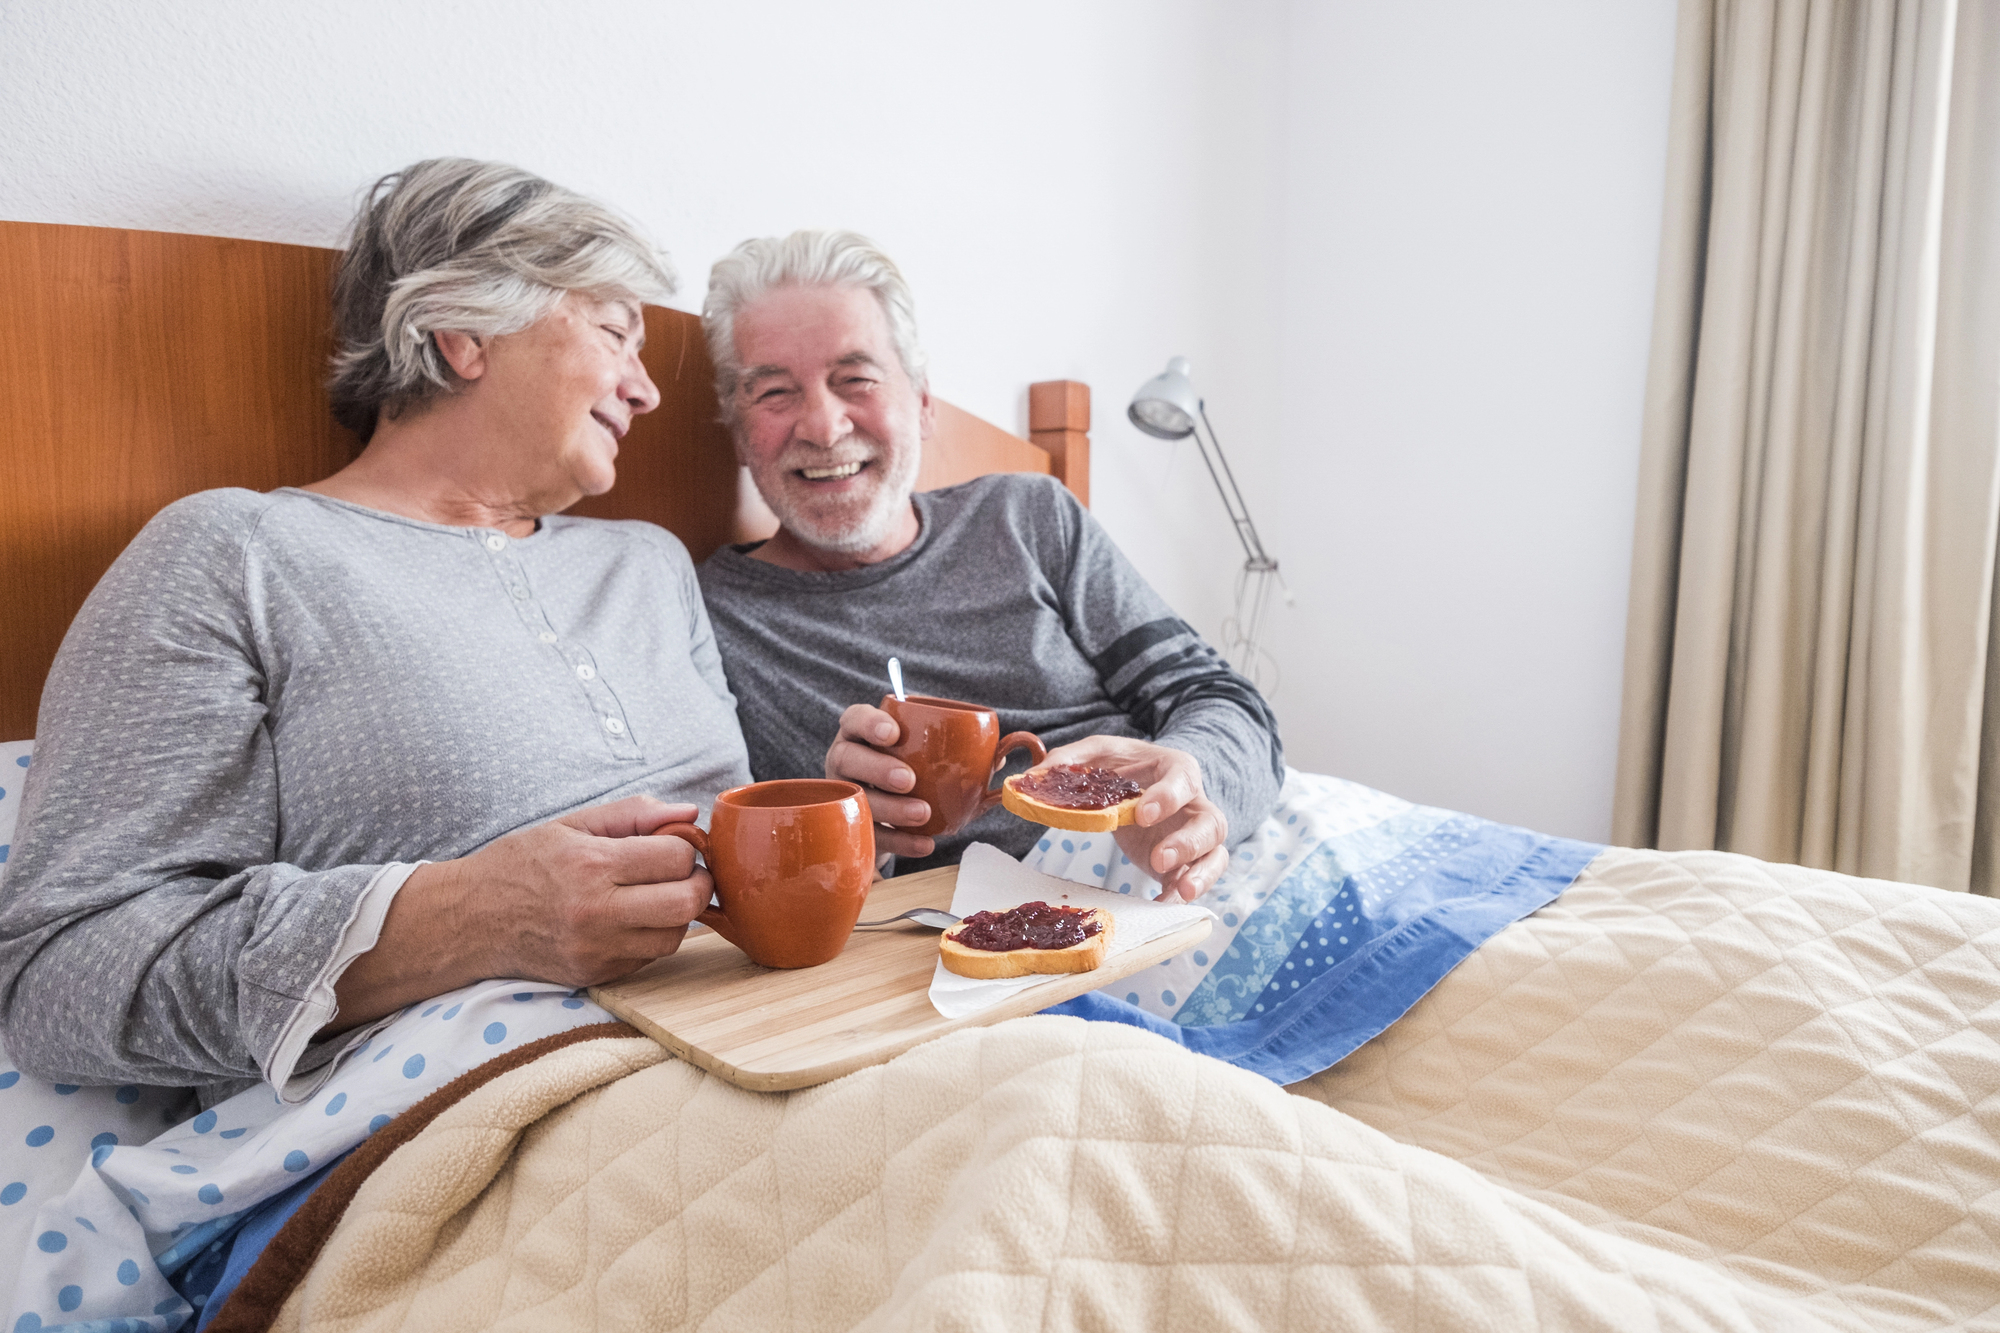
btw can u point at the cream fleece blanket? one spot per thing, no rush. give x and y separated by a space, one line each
1697 1092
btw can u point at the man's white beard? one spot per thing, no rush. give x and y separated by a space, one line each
853 536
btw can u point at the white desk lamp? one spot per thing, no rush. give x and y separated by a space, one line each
1168 408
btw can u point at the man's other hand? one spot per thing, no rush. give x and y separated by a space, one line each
1180 835
853 756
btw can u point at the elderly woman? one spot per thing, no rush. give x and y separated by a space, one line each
308 756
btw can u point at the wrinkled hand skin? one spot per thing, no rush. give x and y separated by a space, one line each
590 896
583 899
1180 837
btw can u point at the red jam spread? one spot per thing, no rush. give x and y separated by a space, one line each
1029 926
1074 787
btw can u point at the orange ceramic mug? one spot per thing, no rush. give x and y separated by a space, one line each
954 749
792 862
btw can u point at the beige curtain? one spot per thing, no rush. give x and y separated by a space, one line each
1809 672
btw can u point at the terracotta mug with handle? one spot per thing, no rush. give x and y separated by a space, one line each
954 748
792 862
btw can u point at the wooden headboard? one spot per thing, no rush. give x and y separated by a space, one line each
137 367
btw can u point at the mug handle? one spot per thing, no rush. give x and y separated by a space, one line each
1012 741
711 916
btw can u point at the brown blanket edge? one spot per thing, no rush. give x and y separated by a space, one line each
255 1303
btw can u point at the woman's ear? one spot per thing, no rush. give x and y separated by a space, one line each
463 352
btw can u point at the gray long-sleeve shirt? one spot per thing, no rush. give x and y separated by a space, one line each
269 697
1013 597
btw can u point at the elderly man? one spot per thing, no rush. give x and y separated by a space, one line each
1002 591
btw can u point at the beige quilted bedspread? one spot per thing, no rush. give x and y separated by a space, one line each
1697 1092
1789 1075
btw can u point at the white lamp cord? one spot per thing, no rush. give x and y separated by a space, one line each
1242 633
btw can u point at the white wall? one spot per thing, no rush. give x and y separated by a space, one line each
1409 250
1470 213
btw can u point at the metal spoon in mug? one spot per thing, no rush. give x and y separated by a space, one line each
896 678
923 916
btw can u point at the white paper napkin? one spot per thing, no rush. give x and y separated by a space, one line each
989 880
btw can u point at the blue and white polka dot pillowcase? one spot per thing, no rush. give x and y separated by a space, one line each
47 1132
13 771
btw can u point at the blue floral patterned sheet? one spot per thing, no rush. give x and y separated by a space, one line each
1334 917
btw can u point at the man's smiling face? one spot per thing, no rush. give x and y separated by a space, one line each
829 423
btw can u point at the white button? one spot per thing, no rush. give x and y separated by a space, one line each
546 637
495 542
587 672
520 593
614 726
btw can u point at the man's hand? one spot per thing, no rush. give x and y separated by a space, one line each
580 900
853 757
1180 837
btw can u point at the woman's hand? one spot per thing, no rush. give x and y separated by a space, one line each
580 900
1180 835
882 777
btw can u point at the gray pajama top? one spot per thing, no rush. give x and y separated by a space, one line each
270 697
1011 596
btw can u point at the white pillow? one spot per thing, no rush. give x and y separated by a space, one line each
13 772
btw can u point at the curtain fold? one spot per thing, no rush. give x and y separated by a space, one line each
1808 657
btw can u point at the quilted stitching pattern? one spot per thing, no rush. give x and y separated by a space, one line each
1045 1173
1790 1075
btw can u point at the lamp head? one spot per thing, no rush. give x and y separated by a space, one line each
1167 406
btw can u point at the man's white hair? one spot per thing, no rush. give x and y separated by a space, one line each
477 247
803 259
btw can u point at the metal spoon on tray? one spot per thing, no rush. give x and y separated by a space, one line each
923 916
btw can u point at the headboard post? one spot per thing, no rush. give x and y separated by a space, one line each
1059 421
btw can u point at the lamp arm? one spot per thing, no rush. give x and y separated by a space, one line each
1232 497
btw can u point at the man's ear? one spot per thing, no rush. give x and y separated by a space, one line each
463 352
926 415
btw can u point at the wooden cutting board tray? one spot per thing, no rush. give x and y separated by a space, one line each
770 1030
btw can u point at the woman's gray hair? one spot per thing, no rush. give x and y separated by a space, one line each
477 247
803 259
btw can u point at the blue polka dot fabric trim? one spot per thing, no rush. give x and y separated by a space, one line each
111 1196
1335 915
13 758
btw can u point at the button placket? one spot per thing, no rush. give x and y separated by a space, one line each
611 722
514 581
610 713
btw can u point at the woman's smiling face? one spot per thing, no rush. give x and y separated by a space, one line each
560 394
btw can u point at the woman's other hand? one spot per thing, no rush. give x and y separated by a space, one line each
853 757
1180 837
583 899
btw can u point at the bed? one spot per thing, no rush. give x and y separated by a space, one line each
1682 1090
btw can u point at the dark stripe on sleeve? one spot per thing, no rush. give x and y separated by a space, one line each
1195 671
1198 661
1132 643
